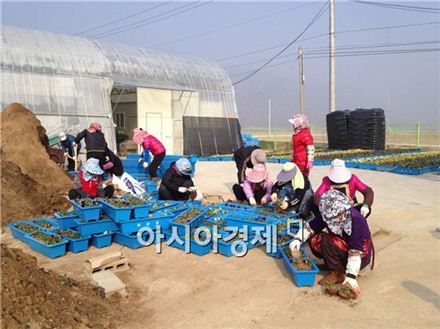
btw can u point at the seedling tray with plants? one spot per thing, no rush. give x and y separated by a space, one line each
117 209
237 206
20 229
131 240
87 209
140 207
101 240
302 270
95 226
225 245
48 244
191 218
66 220
77 242
162 205
250 220
194 247
45 224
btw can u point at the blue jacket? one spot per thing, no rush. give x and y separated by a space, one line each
67 145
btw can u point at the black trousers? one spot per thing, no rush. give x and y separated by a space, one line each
106 192
241 196
70 164
157 160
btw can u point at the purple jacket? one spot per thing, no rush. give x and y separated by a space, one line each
250 188
360 232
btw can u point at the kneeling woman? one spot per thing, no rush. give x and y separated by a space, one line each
292 190
346 247
177 184
88 182
256 188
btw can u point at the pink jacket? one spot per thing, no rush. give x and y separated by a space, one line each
353 185
250 188
153 144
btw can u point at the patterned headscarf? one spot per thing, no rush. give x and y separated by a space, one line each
299 122
334 203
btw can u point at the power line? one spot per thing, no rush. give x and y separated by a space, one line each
351 54
429 10
326 34
252 20
320 12
153 19
123 18
338 49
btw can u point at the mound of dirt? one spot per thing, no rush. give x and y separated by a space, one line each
32 184
34 298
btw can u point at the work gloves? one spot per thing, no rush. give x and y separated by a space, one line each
352 271
365 210
263 200
305 232
274 197
182 189
145 165
252 202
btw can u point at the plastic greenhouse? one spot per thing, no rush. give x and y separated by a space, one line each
68 82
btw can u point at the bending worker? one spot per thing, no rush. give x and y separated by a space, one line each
68 145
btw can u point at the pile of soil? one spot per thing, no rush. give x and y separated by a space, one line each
34 298
32 184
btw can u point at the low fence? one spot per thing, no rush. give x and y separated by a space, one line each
417 135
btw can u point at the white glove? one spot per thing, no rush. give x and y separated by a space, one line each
294 245
199 195
145 165
353 265
73 144
352 283
252 202
284 205
274 197
263 200
66 154
365 210
192 189
182 189
140 160
307 233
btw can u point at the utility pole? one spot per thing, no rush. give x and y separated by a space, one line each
301 80
332 91
270 117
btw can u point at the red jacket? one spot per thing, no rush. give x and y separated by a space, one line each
91 186
153 144
299 153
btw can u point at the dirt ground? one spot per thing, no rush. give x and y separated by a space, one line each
178 290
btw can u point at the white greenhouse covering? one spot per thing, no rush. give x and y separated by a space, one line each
67 81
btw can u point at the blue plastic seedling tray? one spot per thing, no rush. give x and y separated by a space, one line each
87 213
130 240
225 247
237 220
19 234
76 245
52 251
181 228
118 214
301 278
280 247
194 247
66 222
101 240
50 221
162 205
96 226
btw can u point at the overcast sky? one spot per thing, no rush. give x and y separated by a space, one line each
406 86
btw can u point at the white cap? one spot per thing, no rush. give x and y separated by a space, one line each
338 173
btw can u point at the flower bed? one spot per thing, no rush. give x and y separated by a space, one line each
47 244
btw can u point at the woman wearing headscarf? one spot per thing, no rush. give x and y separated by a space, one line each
346 246
88 182
340 178
149 144
303 145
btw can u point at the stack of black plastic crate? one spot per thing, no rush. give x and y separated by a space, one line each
338 130
362 128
